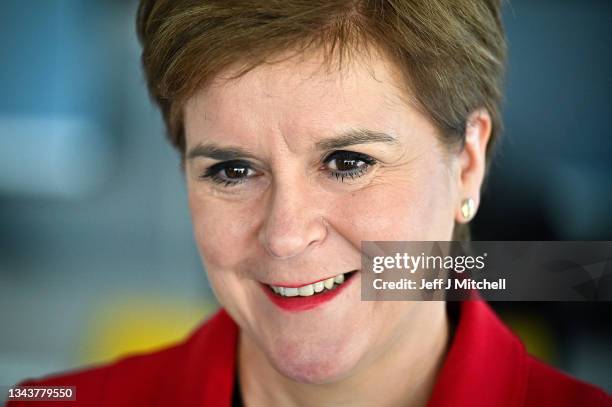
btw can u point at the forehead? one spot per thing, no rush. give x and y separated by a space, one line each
299 94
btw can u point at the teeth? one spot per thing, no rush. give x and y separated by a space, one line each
309 289
291 292
306 291
318 286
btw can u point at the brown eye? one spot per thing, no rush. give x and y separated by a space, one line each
235 172
342 164
230 173
346 164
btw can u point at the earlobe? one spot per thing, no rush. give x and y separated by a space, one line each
472 164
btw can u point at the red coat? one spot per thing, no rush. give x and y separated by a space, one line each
486 366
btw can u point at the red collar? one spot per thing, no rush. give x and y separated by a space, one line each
485 364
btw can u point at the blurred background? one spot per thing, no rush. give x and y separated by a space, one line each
96 253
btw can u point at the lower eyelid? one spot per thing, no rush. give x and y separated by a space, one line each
357 173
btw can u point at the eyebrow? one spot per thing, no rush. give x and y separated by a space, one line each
218 153
345 139
353 137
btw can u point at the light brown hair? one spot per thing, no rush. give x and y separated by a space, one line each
451 53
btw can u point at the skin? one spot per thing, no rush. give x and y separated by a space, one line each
291 221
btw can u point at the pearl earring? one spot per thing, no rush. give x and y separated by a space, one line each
468 208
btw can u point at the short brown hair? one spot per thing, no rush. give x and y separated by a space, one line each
451 53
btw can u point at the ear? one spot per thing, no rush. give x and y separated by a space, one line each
472 164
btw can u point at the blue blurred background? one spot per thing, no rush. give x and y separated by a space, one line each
96 252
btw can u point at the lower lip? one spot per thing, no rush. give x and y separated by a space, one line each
296 304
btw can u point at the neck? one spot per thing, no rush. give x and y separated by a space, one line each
403 374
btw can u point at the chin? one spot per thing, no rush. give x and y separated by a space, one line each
314 361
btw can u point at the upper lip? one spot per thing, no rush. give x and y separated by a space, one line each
297 285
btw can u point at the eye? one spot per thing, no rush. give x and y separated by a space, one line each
342 164
229 173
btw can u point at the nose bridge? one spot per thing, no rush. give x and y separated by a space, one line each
295 221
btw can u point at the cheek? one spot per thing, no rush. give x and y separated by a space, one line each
222 236
217 227
416 210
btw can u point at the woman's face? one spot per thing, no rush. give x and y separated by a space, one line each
289 168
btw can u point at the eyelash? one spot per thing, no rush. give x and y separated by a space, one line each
213 171
349 156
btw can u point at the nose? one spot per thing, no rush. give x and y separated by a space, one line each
294 222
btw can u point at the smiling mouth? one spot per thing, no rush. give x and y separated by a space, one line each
308 290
